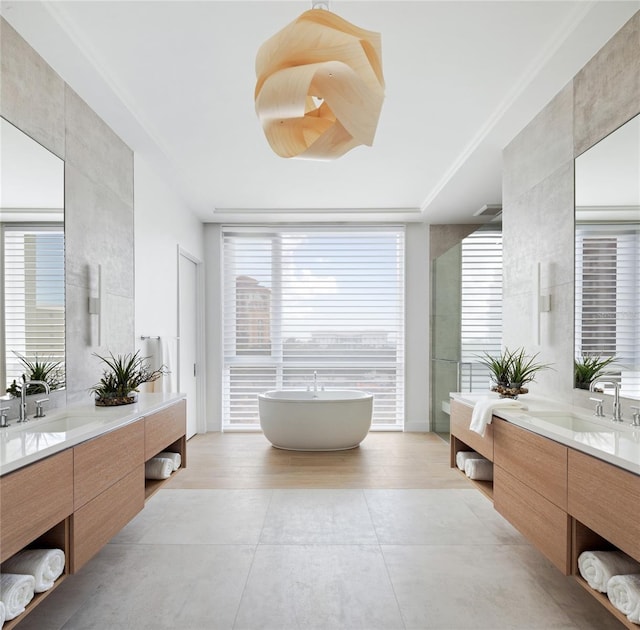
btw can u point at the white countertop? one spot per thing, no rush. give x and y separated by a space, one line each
609 441
22 444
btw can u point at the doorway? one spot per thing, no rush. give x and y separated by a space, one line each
190 360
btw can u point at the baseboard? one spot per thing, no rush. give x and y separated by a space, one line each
416 427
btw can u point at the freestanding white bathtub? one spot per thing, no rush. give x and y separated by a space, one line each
315 421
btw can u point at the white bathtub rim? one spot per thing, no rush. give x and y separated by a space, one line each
324 396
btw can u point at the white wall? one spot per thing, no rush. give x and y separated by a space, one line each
162 222
417 287
213 327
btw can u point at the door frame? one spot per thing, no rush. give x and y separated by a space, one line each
201 425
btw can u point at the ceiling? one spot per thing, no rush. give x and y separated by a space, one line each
175 80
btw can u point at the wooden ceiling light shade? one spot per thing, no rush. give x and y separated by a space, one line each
319 88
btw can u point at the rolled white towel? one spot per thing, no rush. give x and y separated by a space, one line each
483 410
463 456
46 566
158 468
3 613
479 469
598 567
16 591
624 593
176 458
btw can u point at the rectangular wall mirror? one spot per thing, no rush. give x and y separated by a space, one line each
607 262
32 308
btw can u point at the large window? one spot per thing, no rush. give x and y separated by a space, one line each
608 299
299 301
481 306
33 259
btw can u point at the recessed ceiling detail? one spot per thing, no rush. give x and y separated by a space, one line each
320 87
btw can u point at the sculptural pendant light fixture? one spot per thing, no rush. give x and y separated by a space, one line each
320 87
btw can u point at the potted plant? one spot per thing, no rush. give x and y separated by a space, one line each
588 368
120 381
49 371
511 371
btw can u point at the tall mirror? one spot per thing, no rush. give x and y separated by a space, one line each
32 308
607 262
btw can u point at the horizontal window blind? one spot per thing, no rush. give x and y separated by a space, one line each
33 258
607 299
481 306
313 299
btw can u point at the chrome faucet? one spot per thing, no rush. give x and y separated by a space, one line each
617 411
23 397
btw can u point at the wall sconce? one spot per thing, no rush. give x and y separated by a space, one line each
97 306
542 302
319 88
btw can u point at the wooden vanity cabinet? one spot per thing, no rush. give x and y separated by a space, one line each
165 428
33 500
606 499
103 461
561 499
108 489
463 439
99 520
530 489
78 499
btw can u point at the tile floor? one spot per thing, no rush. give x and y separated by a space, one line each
319 558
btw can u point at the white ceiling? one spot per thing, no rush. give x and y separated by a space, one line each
175 80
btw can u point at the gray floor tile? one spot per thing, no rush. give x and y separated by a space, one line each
140 587
488 587
318 516
233 517
319 559
432 517
324 587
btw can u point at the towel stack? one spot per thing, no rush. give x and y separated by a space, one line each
162 465
474 465
617 575
16 591
27 572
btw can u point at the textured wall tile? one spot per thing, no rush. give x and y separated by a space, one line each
99 230
31 93
544 145
444 237
538 204
538 227
607 89
96 150
81 371
98 204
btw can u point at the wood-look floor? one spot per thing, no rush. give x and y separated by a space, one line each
383 460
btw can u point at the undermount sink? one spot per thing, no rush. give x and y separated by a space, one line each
62 424
573 422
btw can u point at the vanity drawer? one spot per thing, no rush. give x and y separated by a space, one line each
33 500
538 462
606 499
544 524
96 522
460 420
163 428
101 462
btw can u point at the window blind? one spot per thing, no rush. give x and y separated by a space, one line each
33 258
301 300
607 299
481 305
